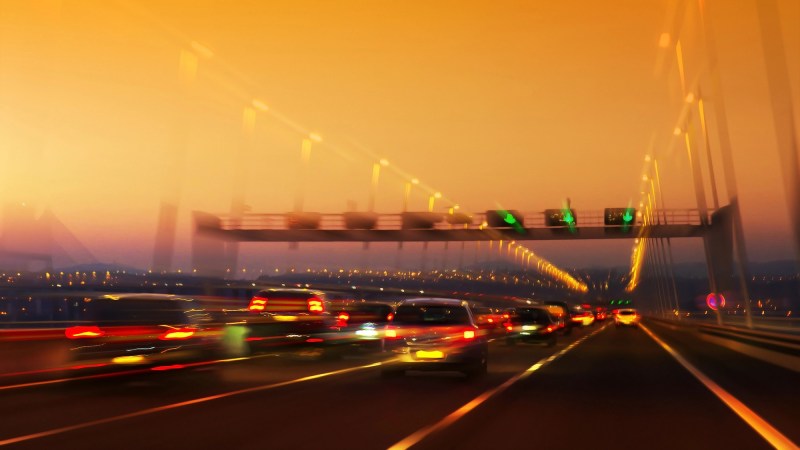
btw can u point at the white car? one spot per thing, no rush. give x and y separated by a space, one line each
627 316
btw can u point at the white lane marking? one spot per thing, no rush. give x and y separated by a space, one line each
157 409
451 418
761 426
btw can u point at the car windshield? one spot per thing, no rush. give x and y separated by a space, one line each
431 315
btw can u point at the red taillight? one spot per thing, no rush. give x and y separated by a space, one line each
257 304
341 319
315 305
550 328
469 334
389 317
84 332
491 320
178 334
314 340
509 327
506 316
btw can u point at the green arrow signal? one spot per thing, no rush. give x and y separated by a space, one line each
568 217
509 219
627 217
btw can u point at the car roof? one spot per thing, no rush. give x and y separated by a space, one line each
433 301
292 291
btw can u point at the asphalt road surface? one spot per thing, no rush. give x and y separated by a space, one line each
600 387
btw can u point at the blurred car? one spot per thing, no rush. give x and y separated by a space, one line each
359 325
435 334
487 318
531 324
600 313
627 317
280 318
561 313
141 329
581 316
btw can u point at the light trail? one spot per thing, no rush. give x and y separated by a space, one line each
144 412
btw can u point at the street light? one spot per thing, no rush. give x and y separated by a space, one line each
434 197
407 193
376 173
305 157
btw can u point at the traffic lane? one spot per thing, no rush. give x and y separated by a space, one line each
350 411
618 389
28 410
773 392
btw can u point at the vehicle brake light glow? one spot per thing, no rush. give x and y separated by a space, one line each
257 304
469 334
391 334
343 316
315 305
389 317
509 327
181 333
84 332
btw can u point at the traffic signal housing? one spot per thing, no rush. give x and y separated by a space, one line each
621 217
560 218
505 218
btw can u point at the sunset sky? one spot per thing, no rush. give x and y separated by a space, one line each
513 104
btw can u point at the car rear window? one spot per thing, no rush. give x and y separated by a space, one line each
627 313
556 310
431 315
286 301
531 315
136 312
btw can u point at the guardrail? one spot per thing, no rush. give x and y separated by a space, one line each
782 349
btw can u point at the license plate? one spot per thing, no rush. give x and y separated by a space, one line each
131 359
425 354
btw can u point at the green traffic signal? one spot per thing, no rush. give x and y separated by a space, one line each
627 216
506 218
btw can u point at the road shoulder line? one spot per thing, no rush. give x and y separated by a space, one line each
761 426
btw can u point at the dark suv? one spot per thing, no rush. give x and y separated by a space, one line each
435 334
531 324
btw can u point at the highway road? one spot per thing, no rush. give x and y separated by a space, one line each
600 387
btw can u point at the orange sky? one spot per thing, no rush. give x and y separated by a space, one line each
519 104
